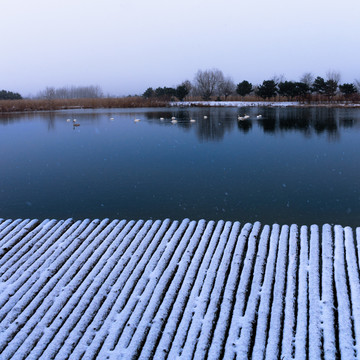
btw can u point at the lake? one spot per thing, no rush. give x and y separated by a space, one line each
294 165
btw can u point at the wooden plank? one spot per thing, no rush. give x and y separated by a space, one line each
162 289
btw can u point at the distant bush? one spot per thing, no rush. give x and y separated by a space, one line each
9 95
167 93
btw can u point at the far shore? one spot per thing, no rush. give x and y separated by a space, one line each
262 103
31 105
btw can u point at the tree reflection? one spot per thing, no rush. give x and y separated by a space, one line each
212 123
244 125
305 120
51 117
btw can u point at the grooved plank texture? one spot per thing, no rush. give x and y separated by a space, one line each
185 289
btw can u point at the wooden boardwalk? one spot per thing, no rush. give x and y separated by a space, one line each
178 289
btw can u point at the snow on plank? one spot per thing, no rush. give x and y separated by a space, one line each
314 294
273 348
250 314
343 297
187 294
176 329
328 306
193 289
262 326
287 346
302 323
220 335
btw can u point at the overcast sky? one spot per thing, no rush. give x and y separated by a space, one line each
126 46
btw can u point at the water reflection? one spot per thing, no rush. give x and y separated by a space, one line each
245 125
304 120
307 121
218 121
51 117
283 167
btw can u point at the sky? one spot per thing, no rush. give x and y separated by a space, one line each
126 46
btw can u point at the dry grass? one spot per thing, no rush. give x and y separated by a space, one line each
60 104
140 102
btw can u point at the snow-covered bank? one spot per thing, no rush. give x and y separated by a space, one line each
257 104
177 289
235 103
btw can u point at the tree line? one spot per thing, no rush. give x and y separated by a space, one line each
71 92
212 84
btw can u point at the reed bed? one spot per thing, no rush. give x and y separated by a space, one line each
60 104
140 102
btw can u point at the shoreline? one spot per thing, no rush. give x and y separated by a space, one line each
29 106
260 104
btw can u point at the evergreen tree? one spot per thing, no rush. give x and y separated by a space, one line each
319 85
9 95
267 89
244 88
148 93
302 89
288 89
348 89
330 87
181 92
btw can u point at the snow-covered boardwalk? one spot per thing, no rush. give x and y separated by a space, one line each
178 289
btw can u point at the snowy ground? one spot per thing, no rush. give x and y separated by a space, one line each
235 103
255 104
168 289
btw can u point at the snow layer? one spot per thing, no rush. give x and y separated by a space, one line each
250 104
236 103
166 289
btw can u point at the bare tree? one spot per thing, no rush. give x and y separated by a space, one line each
226 87
278 78
207 82
357 84
307 78
187 84
73 92
49 93
333 76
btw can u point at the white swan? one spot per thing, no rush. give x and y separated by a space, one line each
259 116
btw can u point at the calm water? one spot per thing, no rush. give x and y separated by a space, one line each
292 166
